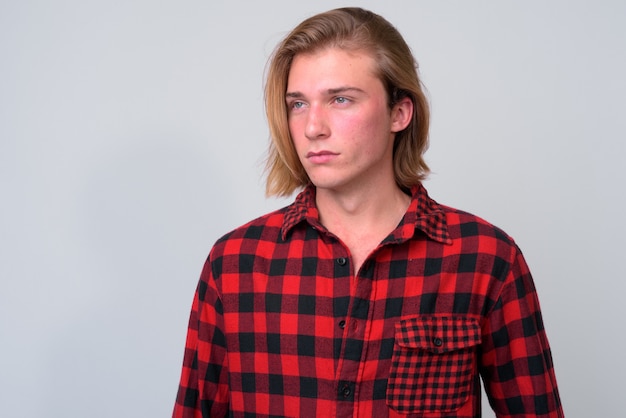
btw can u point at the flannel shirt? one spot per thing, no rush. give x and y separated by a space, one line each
281 325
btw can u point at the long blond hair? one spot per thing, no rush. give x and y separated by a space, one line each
350 29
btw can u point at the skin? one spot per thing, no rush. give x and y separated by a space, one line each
343 131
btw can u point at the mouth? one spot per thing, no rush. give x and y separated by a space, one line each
320 156
319 153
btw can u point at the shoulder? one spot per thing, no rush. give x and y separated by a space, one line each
247 248
463 225
480 245
265 228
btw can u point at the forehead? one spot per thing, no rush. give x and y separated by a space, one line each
332 65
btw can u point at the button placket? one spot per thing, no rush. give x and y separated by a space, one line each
355 324
346 390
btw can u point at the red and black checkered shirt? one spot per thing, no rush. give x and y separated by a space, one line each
281 325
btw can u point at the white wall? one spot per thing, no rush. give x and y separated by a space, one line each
132 136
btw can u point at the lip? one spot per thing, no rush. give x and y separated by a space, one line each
320 157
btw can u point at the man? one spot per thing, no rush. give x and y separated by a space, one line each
364 297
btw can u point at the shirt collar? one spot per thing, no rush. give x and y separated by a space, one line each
423 213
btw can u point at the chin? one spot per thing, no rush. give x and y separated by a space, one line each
333 185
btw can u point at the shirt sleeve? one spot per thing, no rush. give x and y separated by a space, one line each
516 362
203 389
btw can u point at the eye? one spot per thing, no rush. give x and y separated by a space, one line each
295 105
341 100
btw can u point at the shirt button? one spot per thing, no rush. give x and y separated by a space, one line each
346 391
342 261
342 324
438 342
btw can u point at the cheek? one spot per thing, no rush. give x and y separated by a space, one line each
363 131
350 127
296 132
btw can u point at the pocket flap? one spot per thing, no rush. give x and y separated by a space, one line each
438 334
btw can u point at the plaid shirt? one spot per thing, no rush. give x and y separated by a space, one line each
281 325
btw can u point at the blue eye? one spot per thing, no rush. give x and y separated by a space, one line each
297 105
341 100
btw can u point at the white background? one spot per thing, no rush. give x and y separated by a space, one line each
132 136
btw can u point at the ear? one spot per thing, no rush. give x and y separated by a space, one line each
401 114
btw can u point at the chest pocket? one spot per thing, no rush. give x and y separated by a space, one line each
433 364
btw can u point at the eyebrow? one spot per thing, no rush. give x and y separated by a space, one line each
330 92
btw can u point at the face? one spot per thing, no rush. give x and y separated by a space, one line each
340 121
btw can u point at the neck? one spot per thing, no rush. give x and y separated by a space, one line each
369 210
362 220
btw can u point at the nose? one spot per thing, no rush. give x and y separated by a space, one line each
316 123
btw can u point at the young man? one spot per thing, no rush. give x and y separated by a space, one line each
364 297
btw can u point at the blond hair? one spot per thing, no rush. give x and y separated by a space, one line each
349 29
